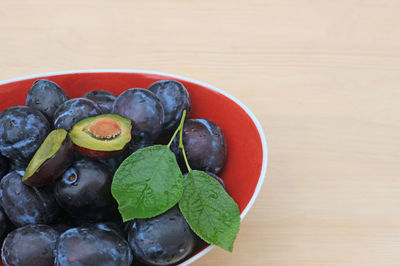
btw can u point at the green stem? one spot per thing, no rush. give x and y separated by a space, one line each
183 151
178 129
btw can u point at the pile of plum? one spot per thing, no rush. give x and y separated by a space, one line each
73 219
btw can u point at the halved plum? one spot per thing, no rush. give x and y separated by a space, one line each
50 161
102 136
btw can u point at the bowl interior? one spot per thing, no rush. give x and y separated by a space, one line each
245 152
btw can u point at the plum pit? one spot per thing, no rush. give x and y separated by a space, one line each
105 128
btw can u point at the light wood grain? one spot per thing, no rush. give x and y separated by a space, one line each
322 76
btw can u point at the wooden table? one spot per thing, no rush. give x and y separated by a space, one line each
323 77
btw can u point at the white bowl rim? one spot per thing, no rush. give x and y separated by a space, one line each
244 107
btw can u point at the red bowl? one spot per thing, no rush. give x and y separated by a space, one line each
247 149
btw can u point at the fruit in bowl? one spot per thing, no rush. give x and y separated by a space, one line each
154 187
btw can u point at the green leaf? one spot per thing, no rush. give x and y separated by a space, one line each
147 183
210 212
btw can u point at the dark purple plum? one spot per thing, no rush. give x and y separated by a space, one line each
31 245
93 246
163 240
3 222
84 191
3 166
24 204
174 98
103 98
204 145
22 131
74 110
144 109
45 96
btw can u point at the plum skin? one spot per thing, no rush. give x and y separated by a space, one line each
31 245
205 145
144 109
95 245
22 131
104 99
45 96
24 204
84 191
163 240
74 110
174 98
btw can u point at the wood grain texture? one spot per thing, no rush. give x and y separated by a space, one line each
323 77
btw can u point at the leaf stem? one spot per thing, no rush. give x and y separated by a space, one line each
183 151
178 129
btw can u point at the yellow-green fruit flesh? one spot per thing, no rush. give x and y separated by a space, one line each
107 132
49 147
